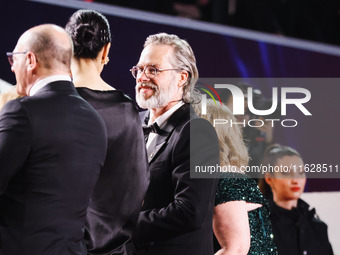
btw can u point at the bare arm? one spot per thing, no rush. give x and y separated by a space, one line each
231 228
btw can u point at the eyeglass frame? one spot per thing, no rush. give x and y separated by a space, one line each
156 69
10 56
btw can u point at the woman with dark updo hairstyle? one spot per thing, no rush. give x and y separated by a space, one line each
90 32
297 228
122 183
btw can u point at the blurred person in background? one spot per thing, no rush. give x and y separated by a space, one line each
241 215
8 95
257 138
297 229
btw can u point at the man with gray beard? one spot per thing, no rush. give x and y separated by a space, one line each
176 216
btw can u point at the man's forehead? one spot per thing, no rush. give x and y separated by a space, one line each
155 55
23 41
19 48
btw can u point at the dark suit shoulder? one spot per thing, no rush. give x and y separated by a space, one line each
14 104
57 86
14 113
187 117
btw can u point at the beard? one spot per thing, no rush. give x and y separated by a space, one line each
160 98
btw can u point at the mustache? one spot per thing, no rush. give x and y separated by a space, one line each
147 85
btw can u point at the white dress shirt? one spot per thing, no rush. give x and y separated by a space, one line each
161 120
42 83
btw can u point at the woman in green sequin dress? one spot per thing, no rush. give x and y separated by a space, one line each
241 216
242 193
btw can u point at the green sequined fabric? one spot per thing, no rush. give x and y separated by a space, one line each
239 187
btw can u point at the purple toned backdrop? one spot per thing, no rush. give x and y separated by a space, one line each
218 55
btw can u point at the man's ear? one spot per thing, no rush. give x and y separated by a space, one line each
31 61
184 75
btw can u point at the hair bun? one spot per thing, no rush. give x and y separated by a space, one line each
90 31
84 34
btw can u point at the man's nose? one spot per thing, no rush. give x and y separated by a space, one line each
142 77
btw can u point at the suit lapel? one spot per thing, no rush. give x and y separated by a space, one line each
166 131
155 146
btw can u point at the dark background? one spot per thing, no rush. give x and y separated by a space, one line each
218 55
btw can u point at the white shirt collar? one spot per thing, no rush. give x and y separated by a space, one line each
165 116
161 120
42 83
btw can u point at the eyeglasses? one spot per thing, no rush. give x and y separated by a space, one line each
10 56
149 71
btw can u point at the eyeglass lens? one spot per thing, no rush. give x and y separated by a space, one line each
11 54
10 59
149 71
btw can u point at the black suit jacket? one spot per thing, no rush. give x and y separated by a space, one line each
176 217
52 146
117 197
299 230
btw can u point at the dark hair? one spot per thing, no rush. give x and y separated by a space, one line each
276 151
272 154
90 31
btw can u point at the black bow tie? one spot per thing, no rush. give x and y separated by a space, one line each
153 128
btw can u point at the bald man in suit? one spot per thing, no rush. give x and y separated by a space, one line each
52 146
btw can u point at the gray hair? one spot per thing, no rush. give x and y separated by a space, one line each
184 59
